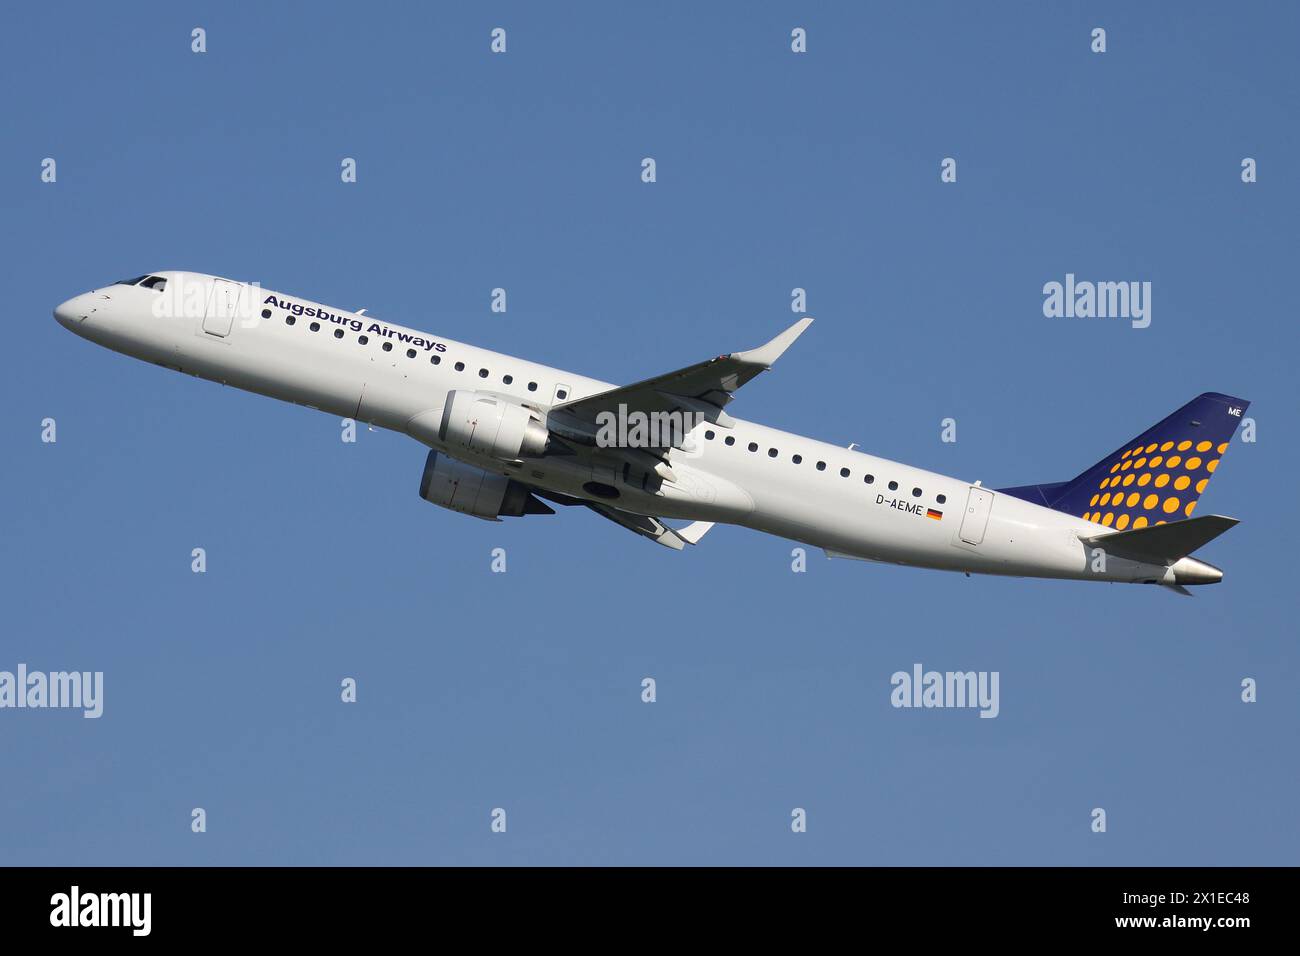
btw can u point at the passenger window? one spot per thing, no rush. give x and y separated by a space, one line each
868 478
338 333
941 498
435 360
315 326
797 459
893 486
844 472
708 436
561 394
363 339
532 386
460 366
388 346
410 353
753 446
507 379
821 466
289 320
771 453
731 439
916 492
482 373
266 313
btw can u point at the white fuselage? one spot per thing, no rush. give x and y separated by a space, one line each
405 387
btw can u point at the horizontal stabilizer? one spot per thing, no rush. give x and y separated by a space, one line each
1163 543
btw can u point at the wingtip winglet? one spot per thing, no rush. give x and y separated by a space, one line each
694 531
766 355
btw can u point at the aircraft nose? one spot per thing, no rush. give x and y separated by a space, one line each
70 314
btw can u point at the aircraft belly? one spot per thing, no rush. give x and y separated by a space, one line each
848 524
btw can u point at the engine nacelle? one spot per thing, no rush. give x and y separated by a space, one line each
471 490
491 426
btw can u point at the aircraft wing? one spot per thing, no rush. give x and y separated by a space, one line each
704 388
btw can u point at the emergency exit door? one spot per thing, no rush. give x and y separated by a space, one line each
223 306
976 516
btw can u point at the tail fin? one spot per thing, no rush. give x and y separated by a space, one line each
1154 478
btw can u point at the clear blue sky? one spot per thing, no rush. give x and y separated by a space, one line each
522 690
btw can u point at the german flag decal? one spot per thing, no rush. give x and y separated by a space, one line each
936 515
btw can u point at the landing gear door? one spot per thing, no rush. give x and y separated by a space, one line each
976 516
223 306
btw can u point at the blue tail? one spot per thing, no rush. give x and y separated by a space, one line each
1156 477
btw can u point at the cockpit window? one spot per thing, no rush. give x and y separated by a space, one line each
157 283
135 281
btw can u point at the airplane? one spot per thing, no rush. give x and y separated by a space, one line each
509 438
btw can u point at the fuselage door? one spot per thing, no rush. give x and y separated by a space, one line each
976 517
223 305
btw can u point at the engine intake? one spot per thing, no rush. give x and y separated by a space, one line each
491 426
471 490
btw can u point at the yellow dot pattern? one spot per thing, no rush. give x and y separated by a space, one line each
1152 465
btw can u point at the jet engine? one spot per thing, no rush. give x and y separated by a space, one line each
488 425
473 491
